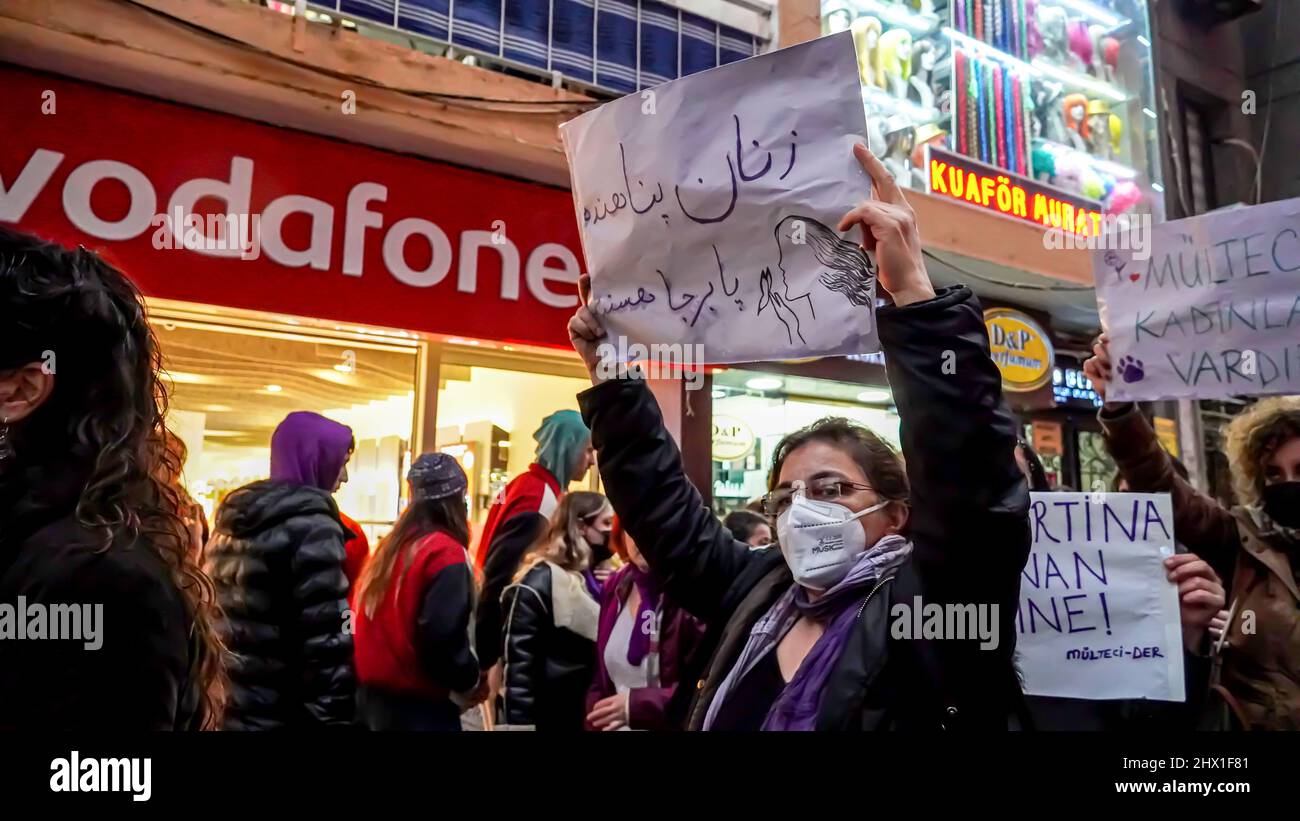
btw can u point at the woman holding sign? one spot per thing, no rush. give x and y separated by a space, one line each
800 638
1255 547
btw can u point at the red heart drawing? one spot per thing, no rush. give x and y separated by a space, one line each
1134 277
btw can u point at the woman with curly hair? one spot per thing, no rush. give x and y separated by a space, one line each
1255 547
105 619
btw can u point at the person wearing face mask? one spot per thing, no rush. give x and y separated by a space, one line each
800 638
642 644
1254 548
551 614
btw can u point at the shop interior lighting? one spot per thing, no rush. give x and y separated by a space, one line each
1149 113
719 393
273 388
875 396
764 383
1155 186
1104 16
1144 41
897 15
1039 68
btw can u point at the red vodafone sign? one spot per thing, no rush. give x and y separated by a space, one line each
326 228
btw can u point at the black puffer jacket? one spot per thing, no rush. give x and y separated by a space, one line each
547 668
276 556
968 525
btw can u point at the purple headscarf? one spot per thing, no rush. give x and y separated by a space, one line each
308 449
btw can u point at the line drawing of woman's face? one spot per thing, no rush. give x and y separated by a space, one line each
844 267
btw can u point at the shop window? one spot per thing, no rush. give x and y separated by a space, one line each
1096 468
490 402
1058 91
234 382
753 410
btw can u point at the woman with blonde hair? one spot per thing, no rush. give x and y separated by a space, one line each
1255 547
549 642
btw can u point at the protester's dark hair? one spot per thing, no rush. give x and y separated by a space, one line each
743 523
106 412
879 461
421 518
1037 473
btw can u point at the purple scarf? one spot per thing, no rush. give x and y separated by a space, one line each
639 645
308 449
796 707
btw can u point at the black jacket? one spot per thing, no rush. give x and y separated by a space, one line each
143 674
968 524
276 557
547 668
511 541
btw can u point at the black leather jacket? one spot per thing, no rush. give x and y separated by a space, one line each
547 668
276 558
968 525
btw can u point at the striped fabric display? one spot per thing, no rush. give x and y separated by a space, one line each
733 45
381 11
527 31
477 24
616 54
699 43
573 31
658 43
424 17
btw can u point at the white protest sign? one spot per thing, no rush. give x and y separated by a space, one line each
1214 311
707 209
1098 617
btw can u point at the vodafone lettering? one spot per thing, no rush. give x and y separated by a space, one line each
401 242
140 216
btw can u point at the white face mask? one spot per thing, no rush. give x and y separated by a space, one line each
821 540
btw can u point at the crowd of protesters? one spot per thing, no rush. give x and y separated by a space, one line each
633 610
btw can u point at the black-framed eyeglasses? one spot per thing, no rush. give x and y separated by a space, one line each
820 490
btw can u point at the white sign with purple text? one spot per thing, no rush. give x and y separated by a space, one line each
1098 617
707 208
1212 311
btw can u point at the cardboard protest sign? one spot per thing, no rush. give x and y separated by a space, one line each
1213 312
1098 618
707 208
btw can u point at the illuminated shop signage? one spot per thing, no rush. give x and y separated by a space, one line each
1021 349
732 438
1071 387
992 189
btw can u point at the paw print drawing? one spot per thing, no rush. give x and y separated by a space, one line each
1130 369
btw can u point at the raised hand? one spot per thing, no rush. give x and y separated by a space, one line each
586 331
889 231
